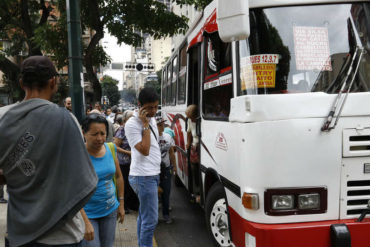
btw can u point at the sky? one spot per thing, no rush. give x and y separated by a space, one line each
118 54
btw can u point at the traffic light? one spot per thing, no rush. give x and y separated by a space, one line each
146 67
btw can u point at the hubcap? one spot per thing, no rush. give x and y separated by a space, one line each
219 223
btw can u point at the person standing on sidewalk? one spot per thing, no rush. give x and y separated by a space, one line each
166 144
102 211
124 158
142 135
46 166
68 103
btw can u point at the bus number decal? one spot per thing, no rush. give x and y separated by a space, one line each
258 71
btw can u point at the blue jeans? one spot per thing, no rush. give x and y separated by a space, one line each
104 231
166 186
146 188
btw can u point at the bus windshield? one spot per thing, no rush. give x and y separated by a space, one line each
304 49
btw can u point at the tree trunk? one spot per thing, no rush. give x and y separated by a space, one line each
94 42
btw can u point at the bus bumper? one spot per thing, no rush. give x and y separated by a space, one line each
309 234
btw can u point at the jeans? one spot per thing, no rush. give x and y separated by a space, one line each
104 231
146 187
166 186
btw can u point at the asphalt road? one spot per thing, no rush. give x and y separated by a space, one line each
188 228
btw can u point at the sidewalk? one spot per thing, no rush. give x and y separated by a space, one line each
125 233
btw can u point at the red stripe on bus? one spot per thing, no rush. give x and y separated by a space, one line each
210 26
179 141
224 70
307 234
210 77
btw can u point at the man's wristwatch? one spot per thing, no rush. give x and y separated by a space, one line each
146 128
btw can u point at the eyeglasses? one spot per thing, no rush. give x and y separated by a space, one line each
94 116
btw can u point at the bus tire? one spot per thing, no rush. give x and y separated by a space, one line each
178 182
217 219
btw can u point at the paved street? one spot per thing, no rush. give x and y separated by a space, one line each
188 227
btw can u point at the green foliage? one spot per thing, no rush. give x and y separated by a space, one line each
159 75
110 89
63 91
197 3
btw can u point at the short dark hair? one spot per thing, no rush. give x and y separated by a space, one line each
36 71
148 95
94 118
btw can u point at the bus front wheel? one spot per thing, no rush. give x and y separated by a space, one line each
217 216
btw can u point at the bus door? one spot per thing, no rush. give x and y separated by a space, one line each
193 97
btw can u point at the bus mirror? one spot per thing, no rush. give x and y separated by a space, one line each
233 20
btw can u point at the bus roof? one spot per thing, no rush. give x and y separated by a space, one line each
274 3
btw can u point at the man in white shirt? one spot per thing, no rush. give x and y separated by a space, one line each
142 135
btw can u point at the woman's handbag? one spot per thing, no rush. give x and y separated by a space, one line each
194 155
113 151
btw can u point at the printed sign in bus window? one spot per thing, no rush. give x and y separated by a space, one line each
258 71
311 45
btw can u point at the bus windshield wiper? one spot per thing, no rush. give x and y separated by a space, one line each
339 100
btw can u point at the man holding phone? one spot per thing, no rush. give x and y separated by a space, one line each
142 135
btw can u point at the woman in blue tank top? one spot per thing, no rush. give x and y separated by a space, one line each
101 212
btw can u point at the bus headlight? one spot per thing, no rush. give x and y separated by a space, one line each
309 201
291 201
281 202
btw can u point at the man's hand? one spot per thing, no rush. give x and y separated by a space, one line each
143 116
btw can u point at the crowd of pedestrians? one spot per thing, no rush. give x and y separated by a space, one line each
69 187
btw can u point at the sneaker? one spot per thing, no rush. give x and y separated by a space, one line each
2 200
167 219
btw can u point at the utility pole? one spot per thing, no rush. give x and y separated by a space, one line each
75 74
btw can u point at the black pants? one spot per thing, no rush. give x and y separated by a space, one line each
1 191
130 199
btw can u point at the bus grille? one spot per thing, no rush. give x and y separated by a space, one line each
358 195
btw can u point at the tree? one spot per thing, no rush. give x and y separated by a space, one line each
110 89
34 28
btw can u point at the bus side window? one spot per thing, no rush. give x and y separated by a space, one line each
181 86
164 83
168 89
217 87
174 80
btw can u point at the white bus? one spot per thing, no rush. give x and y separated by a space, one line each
283 89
